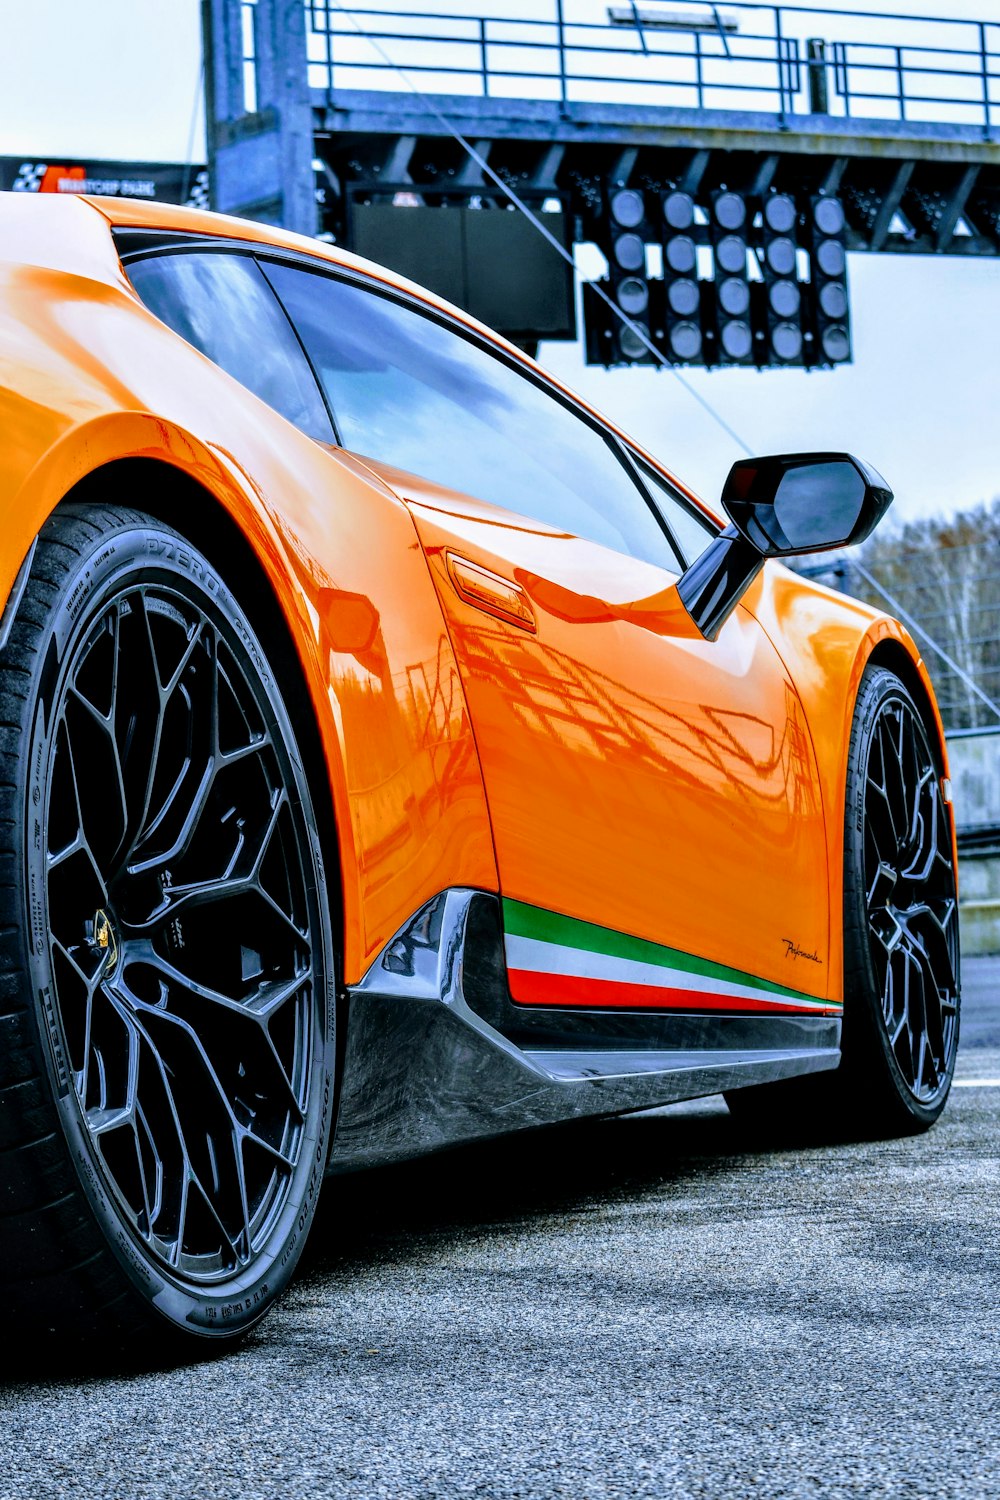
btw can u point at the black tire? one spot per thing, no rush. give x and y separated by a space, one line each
166 958
901 942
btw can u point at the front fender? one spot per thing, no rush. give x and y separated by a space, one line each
826 641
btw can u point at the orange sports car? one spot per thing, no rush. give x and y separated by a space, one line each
392 753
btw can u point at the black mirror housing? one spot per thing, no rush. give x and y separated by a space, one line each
779 507
792 503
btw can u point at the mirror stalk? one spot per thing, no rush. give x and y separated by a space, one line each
716 581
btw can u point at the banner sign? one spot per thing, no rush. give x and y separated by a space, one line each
152 181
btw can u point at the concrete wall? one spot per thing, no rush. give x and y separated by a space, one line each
979 904
975 774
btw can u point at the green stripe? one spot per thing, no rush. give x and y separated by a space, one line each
568 932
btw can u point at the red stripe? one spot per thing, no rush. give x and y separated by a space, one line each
530 988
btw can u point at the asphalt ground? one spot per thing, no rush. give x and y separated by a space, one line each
638 1307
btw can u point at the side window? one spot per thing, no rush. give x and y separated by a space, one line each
691 531
221 303
409 391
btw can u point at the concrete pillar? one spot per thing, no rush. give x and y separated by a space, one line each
260 160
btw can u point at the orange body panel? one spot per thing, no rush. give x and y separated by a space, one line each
88 376
710 775
632 768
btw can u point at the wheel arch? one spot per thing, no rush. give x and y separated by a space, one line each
172 496
151 465
909 668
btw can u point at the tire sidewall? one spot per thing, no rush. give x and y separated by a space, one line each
143 550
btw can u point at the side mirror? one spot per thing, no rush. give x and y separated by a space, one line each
780 507
804 502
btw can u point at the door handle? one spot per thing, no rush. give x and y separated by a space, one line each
490 592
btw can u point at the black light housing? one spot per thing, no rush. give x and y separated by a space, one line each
729 227
831 341
781 338
682 335
624 243
783 317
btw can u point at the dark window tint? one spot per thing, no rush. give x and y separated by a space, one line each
409 391
222 305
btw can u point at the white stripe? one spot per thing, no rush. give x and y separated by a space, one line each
538 957
976 1083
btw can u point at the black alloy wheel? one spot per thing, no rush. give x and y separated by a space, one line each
901 944
166 948
901 939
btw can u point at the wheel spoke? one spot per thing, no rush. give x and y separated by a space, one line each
155 707
282 1161
259 1009
905 1045
882 885
240 878
180 911
107 1116
154 1200
195 801
260 1005
90 718
892 780
198 765
931 937
190 1174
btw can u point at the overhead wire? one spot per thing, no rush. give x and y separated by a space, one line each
636 328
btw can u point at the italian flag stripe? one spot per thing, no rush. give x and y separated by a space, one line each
555 989
557 960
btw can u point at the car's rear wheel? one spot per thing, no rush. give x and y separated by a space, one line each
166 963
901 946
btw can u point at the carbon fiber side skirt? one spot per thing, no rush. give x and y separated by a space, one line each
437 1053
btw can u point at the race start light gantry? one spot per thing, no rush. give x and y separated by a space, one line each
752 280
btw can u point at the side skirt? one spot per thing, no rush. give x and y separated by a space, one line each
437 1054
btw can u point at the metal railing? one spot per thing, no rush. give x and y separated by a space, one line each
786 60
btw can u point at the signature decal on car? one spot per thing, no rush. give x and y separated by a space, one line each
557 960
793 951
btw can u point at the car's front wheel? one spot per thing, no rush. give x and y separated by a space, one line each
901 946
166 964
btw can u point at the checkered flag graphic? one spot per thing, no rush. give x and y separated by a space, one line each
28 178
198 196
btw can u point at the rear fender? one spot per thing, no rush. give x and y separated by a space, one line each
404 778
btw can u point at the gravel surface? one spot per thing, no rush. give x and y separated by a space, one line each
640 1307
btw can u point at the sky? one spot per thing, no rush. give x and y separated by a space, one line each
121 79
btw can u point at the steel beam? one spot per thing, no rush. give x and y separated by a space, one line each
361 112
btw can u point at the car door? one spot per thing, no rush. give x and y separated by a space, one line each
653 796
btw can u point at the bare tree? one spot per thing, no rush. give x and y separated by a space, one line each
945 574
